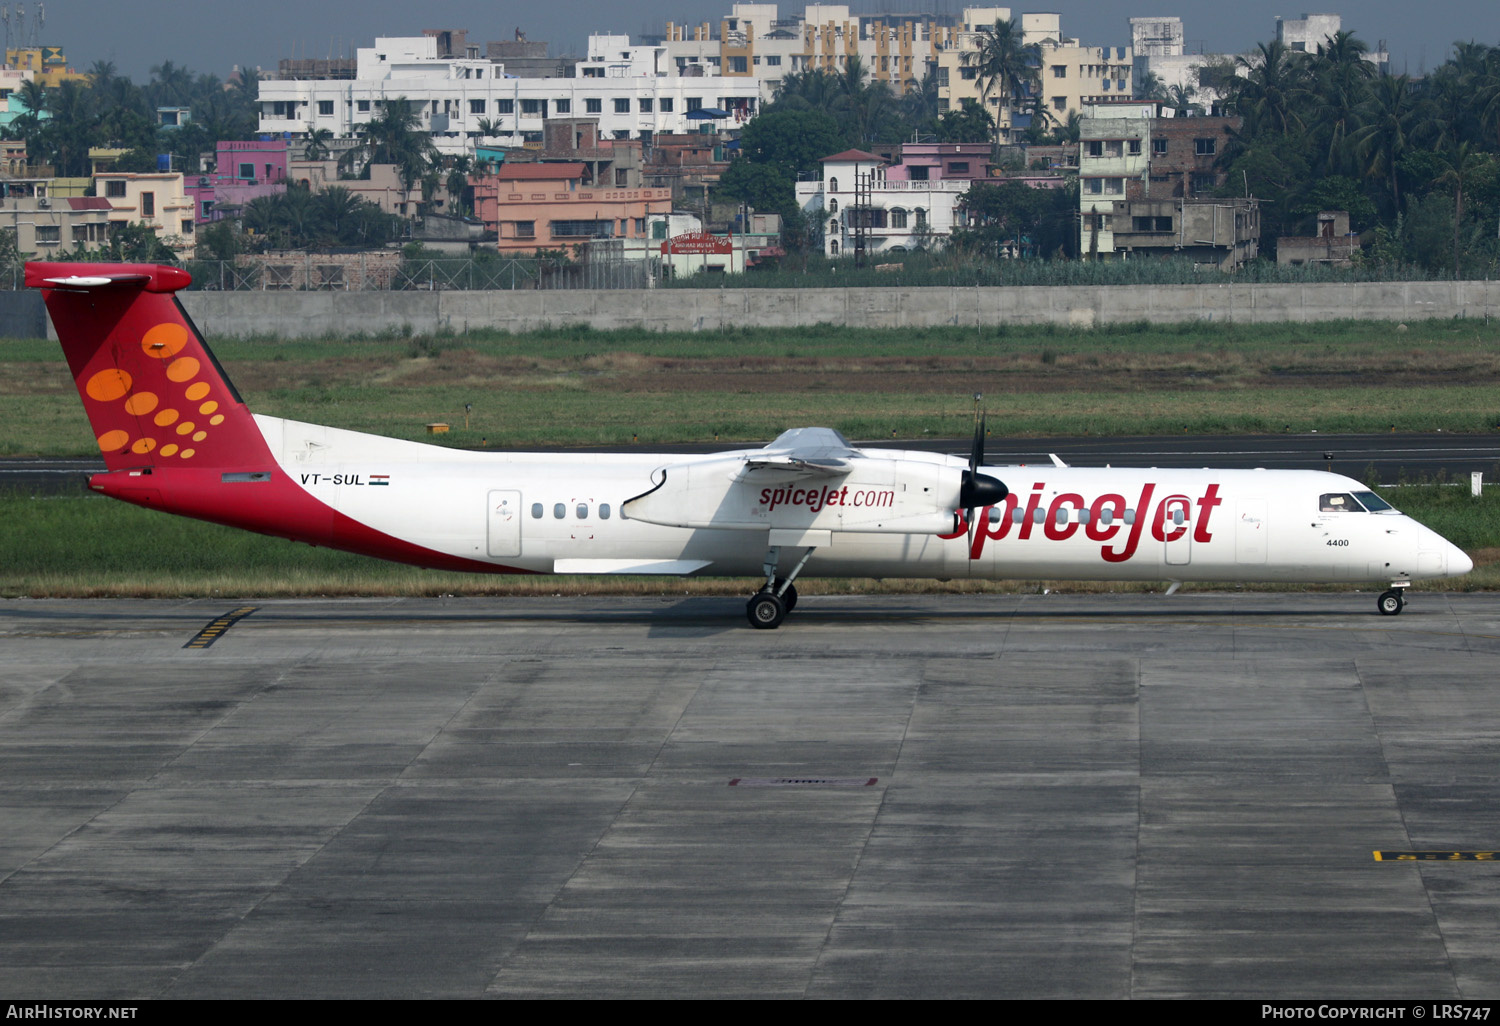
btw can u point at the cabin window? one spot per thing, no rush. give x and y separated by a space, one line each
1106 516
559 511
603 511
1177 517
1130 516
536 511
582 511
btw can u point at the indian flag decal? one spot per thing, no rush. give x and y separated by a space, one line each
380 479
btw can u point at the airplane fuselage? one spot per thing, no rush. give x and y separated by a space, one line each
563 513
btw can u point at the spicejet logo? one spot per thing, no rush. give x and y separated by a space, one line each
816 499
1171 517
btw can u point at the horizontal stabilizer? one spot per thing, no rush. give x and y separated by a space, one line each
96 281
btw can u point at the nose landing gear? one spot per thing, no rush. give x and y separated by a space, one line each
1390 602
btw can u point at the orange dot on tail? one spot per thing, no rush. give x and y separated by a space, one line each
140 404
187 454
170 449
113 441
108 385
164 341
143 445
165 417
200 436
183 369
216 420
197 391
185 427
207 407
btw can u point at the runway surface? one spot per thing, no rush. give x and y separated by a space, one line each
1391 456
990 796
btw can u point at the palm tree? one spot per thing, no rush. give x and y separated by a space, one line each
1180 98
1004 65
1271 92
1386 121
458 180
317 144
1342 76
1461 164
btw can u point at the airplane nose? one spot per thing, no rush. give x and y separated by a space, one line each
1459 562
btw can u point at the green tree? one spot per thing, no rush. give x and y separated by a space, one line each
792 141
1004 65
971 123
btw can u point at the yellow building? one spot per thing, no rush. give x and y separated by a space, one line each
47 64
157 200
1071 75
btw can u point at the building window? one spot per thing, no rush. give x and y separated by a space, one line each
694 103
525 229
958 167
666 105
114 190
363 106
562 106
1205 147
646 104
1059 71
48 233
898 218
593 106
505 106
534 107
208 206
1152 224
476 106
738 66
1093 186
622 106
622 178
1114 186
1135 147
325 108
942 78
773 62
833 185
919 172
1158 147
640 226
1203 182
187 226
1059 103
148 204
1094 148
833 206
921 218
582 229
968 74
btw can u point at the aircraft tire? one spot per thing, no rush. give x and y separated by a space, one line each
1390 603
765 611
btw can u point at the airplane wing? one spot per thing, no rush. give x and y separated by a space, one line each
822 467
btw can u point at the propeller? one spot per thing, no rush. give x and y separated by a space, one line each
979 490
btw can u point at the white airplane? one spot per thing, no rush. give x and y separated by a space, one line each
176 436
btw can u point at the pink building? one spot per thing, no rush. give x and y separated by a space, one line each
933 162
548 206
243 171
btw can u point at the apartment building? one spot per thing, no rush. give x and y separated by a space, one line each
158 200
551 206
1147 184
860 199
243 171
753 41
47 226
1071 75
629 89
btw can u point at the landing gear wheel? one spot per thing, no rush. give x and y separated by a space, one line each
789 595
766 610
1390 603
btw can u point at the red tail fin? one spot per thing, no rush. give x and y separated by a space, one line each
155 395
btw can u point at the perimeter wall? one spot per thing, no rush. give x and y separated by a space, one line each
318 314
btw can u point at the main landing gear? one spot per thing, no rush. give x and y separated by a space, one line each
778 597
1390 602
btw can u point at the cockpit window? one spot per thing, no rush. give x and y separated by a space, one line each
1339 502
1373 502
